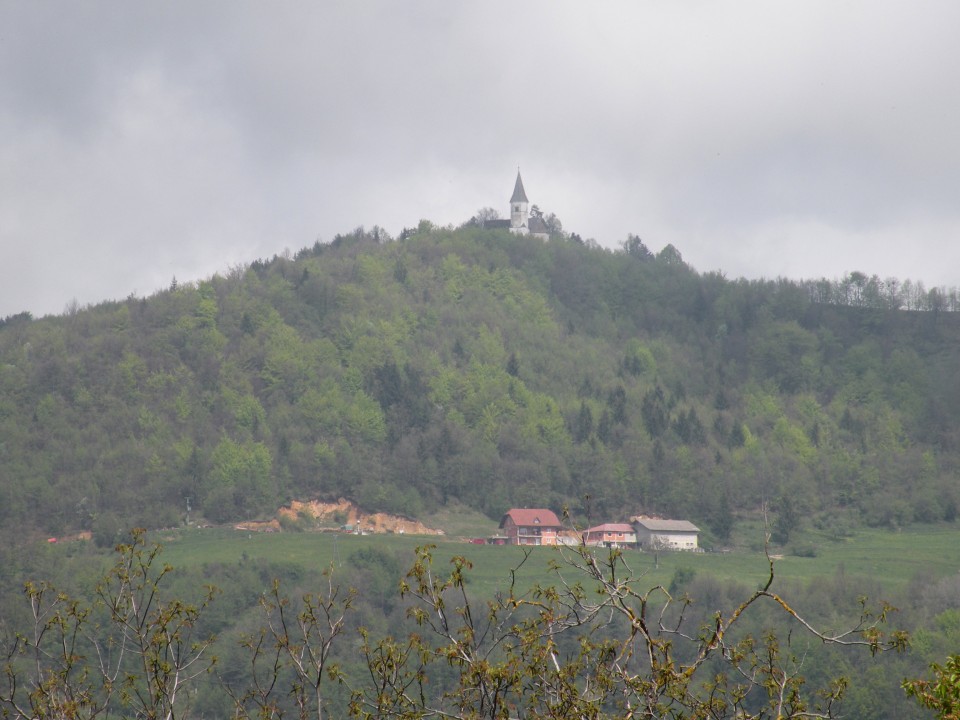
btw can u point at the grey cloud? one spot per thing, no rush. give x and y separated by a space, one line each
146 141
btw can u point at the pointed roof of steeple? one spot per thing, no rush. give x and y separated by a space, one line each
518 194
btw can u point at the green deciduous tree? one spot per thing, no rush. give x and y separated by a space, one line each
296 642
239 481
942 694
134 651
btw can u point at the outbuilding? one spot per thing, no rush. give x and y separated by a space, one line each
654 534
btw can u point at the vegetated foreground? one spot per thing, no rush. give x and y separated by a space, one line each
600 641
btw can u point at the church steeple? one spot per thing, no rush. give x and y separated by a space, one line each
519 215
518 194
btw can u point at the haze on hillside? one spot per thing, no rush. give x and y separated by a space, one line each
145 142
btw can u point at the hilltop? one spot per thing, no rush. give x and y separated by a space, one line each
488 369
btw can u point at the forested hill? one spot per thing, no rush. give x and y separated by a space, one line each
485 368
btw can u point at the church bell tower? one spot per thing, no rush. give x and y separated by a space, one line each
519 212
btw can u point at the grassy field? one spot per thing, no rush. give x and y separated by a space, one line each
885 558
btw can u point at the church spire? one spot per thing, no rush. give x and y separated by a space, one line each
519 215
518 194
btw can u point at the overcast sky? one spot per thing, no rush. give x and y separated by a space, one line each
144 140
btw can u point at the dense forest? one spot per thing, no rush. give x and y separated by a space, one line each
490 369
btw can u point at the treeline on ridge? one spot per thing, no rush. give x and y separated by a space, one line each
492 370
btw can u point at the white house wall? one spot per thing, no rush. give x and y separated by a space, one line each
675 541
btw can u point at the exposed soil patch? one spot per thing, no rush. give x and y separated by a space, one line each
343 512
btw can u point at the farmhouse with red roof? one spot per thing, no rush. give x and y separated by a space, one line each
530 526
616 535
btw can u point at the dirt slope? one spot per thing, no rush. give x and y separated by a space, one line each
344 512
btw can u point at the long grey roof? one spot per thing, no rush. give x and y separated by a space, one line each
666 525
518 194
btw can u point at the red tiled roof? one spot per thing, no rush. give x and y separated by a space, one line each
532 516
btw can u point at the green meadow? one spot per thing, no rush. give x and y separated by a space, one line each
881 558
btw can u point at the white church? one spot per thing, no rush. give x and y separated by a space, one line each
520 221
